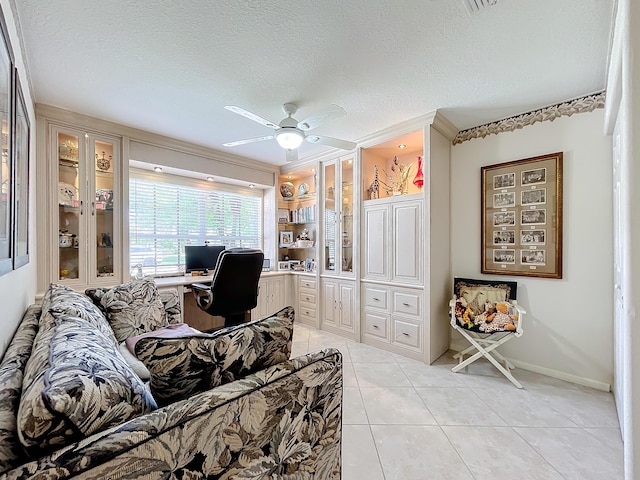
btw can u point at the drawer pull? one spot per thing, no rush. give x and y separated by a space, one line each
306 298
406 334
375 326
406 304
376 299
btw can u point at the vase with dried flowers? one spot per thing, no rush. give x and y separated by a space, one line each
397 182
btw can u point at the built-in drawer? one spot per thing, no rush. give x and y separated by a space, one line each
406 302
308 296
307 310
375 297
307 283
376 325
407 333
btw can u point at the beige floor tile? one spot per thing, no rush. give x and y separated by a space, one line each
353 412
497 453
421 375
359 455
349 375
578 453
525 408
458 406
380 375
395 405
361 353
417 453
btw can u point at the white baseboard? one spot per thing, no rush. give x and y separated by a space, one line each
567 377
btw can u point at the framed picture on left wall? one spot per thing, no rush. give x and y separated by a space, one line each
21 163
7 168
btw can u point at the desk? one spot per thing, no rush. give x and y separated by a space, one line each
191 313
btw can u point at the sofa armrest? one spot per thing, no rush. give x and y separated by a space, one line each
283 419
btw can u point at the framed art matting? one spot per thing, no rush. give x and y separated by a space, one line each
522 217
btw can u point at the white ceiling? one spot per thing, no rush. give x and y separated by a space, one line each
171 67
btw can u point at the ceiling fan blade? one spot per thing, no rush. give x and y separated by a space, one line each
250 115
331 142
331 112
292 155
248 140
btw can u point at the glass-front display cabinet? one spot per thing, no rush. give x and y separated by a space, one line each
338 216
87 168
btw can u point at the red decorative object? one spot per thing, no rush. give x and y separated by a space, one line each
418 181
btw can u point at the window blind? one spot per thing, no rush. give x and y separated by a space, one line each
167 212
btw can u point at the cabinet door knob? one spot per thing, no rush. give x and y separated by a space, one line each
375 326
406 304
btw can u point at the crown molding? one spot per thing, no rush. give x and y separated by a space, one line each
587 103
93 124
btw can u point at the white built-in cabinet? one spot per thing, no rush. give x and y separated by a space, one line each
271 296
405 274
392 240
339 312
80 214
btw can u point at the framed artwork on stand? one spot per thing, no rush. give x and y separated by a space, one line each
522 217
286 238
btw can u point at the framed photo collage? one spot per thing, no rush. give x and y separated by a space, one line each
522 217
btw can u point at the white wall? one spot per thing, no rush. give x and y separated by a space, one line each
569 325
623 107
17 289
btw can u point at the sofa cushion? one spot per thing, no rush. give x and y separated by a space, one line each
83 386
80 306
131 308
183 366
171 301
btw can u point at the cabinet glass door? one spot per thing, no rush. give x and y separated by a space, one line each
70 205
330 216
102 153
346 233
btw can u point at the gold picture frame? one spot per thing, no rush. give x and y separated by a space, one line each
522 217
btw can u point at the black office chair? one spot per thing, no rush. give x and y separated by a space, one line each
234 288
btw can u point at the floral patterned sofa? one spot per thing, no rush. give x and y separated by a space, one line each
227 405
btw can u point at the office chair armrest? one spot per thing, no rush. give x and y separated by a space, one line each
203 294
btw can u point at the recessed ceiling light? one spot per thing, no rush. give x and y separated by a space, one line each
402 145
157 169
350 161
289 177
209 179
313 170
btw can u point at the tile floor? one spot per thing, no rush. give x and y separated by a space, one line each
403 420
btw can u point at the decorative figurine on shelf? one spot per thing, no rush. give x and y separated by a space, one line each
286 189
418 181
374 189
304 234
303 189
397 183
103 163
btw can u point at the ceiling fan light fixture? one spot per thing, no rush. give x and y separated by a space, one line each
289 138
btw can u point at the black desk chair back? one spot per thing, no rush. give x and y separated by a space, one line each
234 288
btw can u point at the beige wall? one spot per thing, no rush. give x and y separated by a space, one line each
17 289
569 325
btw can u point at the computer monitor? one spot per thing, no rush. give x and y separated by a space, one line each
201 257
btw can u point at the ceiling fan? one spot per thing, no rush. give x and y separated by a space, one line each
290 133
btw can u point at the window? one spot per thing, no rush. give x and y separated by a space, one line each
167 212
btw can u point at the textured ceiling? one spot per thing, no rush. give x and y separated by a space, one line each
171 67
